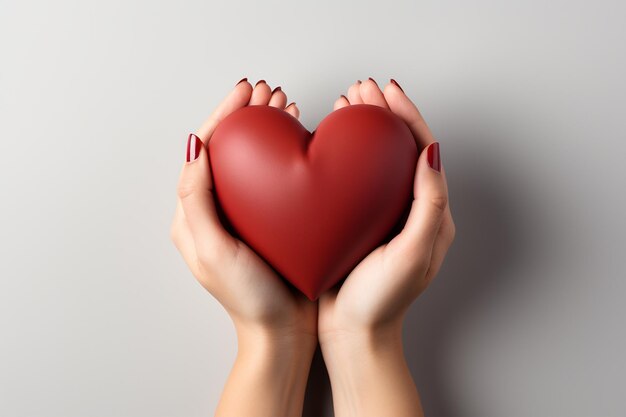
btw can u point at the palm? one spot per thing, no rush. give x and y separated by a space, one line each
384 284
376 289
244 284
262 293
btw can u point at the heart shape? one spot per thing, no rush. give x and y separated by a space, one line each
312 204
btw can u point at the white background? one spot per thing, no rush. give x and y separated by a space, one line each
99 315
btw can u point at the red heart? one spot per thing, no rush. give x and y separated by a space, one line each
312 204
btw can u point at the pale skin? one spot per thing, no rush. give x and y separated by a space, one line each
358 325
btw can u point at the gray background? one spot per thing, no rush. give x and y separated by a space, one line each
99 315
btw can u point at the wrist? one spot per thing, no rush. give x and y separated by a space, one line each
350 354
364 339
368 372
264 341
270 371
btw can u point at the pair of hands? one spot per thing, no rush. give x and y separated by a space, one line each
360 320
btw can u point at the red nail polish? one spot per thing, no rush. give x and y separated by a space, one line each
394 82
259 82
434 157
371 79
276 89
242 80
194 144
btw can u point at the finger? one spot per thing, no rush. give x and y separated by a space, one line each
354 95
239 97
342 101
182 238
195 192
428 207
444 239
181 235
400 104
371 94
261 94
278 99
293 110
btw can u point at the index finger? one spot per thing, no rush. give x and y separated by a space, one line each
238 97
403 107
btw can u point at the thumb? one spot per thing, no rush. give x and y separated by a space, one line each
429 204
195 191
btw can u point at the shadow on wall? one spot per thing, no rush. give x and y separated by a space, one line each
488 243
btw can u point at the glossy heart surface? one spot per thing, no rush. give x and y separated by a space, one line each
312 205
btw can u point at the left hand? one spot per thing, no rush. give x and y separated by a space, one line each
360 322
381 287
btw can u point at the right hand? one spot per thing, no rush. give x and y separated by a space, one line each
254 296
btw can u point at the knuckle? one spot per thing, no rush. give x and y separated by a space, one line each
210 258
430 275
421 266
185 189
206 277
439 203
204 267
206 259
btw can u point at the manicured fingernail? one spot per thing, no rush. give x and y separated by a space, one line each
394 82
276 89
434 157
371 79
194 144
259 82
241 81
293 103
345 98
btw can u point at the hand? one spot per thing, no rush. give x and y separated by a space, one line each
276 326
360 323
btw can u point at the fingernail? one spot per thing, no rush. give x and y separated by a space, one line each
358 81
242 80
434 157
276 89
194 144
346 98
371 79
394 82
293 103
259 82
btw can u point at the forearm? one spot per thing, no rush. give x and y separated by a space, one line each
269 375
369 375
